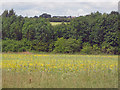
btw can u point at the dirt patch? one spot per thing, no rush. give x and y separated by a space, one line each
26 52
18 52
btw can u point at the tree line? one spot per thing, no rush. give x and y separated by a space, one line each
55 18
95 33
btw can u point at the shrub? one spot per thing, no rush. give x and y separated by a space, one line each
67 45
87 48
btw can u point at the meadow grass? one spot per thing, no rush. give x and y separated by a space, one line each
56 23
59 71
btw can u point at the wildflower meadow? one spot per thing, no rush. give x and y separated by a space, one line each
59 71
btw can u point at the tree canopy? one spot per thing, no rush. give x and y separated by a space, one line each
89 34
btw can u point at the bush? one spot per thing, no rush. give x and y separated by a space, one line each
15 46
96 49
60 45
67 45
51 46
107 48
87 48
112 50
22 49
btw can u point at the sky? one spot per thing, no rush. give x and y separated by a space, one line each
32 8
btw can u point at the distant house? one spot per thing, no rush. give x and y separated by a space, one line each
73 17
45 15
35 16
69 17
61 16
56 16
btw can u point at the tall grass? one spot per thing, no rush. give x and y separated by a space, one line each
56 23
59 71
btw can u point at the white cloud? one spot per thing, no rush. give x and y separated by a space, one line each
70 12
59 0
59 8
30 12
82 12
78 12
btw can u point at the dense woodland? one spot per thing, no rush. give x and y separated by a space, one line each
95 33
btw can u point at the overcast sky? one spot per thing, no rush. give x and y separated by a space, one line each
61 7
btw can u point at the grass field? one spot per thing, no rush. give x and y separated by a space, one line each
56 23
59 71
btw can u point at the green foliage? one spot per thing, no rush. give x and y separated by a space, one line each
5 13
87 48
16 46
41 46
95 49
67 45
51 46
97 32
60 45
